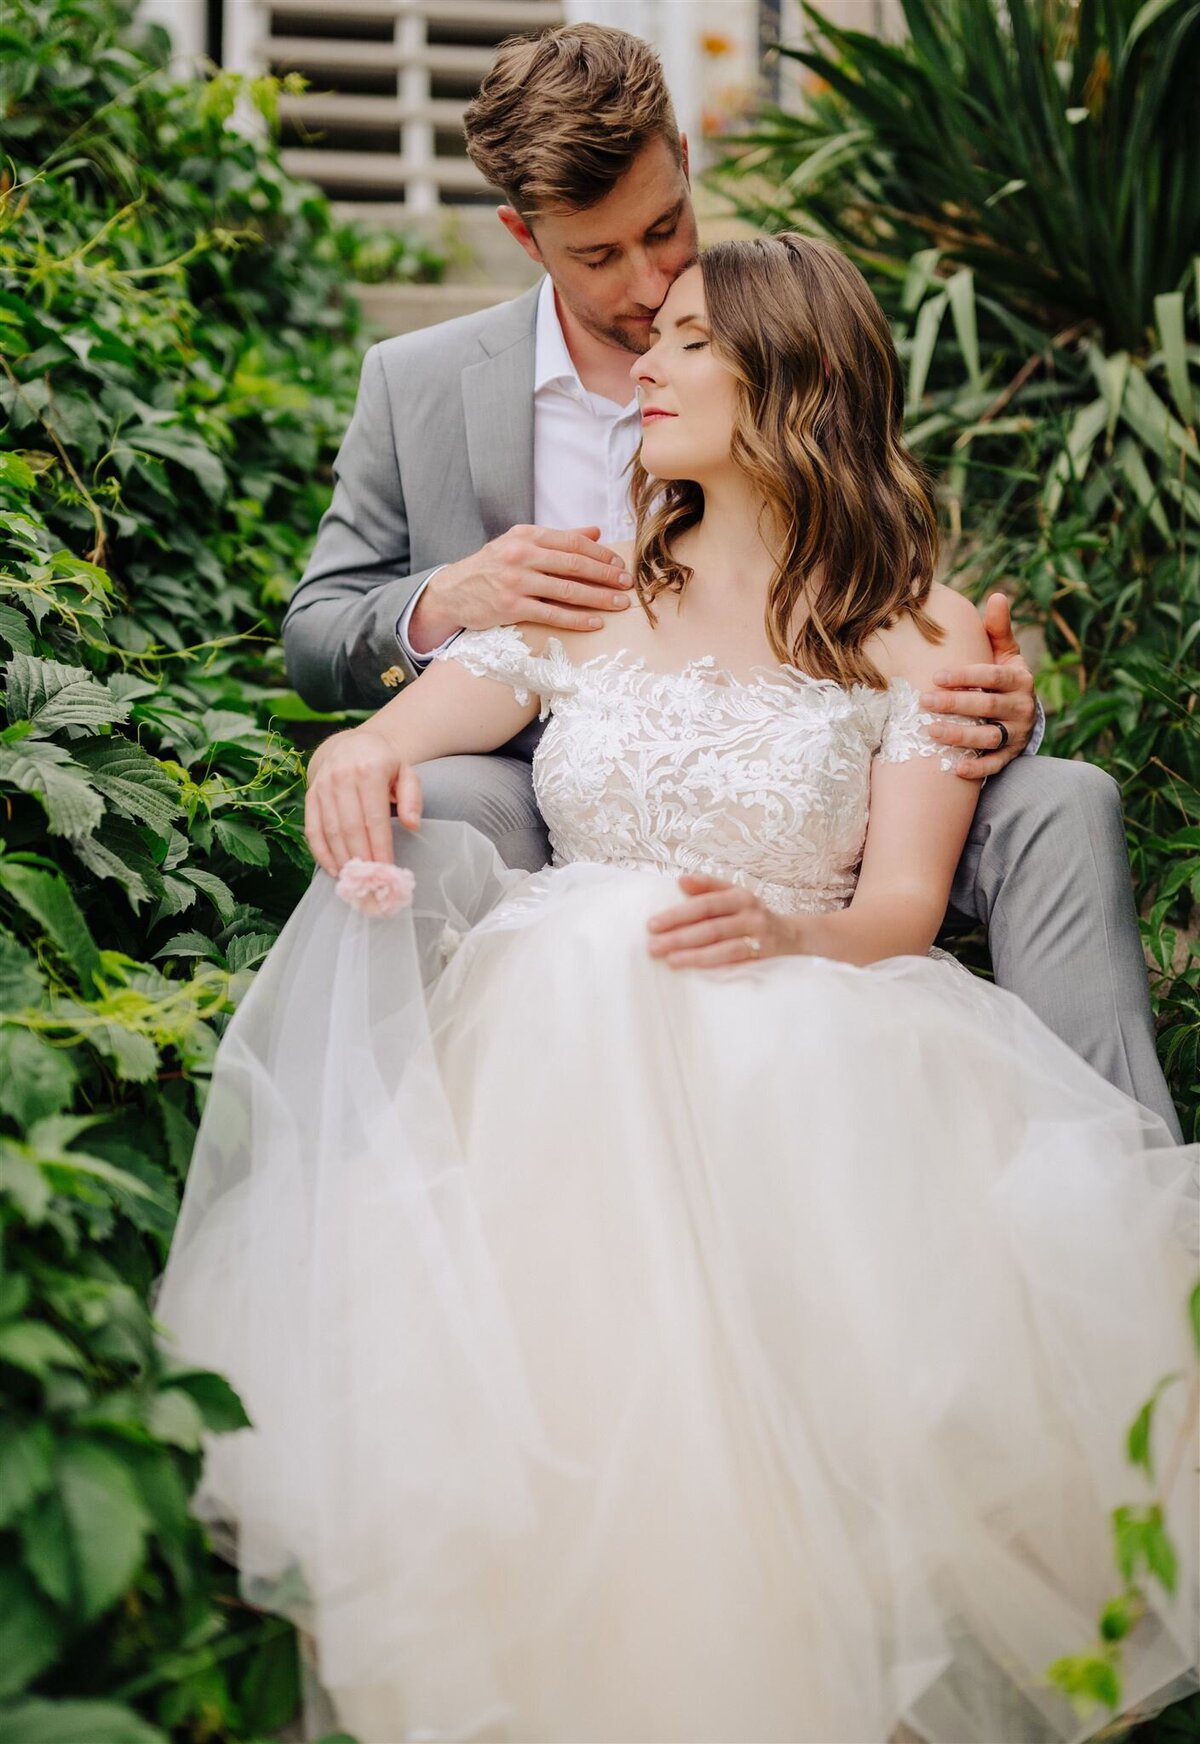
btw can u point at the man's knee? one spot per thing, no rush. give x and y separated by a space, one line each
493 794
1052 796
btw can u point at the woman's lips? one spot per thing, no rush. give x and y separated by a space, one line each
647 417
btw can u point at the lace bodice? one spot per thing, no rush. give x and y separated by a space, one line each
765 782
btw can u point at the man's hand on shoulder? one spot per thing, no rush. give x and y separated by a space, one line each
537 575
993 701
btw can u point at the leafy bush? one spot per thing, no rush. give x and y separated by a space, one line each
177 360
1021 186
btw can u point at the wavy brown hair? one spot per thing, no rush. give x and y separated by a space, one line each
847 512
560 118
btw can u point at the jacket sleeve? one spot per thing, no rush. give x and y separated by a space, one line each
339 631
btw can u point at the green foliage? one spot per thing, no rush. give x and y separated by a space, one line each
1021 187
177 360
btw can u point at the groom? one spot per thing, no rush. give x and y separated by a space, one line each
486 464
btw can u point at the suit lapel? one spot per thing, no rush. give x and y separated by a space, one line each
497 397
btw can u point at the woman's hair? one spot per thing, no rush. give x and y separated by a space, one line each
817 430
561 117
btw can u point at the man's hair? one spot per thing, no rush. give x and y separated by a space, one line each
561 117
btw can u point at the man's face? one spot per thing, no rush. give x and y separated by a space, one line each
613 264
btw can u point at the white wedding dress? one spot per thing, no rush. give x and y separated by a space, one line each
637 1354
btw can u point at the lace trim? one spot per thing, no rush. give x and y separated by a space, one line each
503 654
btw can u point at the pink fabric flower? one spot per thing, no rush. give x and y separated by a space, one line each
375 887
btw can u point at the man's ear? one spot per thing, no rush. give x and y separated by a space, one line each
516 226
683 150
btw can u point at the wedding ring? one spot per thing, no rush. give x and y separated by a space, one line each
1003 734
754 946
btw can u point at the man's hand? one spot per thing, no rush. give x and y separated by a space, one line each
529 575
984 696
354 779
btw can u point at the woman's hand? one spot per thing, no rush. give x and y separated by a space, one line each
720 923
354 779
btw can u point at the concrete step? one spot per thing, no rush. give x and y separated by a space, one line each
502 17
380 169
320 54
392 309
339 109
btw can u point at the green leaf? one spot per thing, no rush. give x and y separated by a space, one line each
20 979
51 694
219 1405
14 625
32 1641
26 1450
104 862
131 1051
175 1418
1138 1443
216 889
186 451
1160 1552
36 1078
1168 315
107 1521
24 1184
270 1693
1194 1316
137 785
66 1722
243 842
45 898
929 320
1116 1619
36 1348
72 807
1146 15
961 292
46 1549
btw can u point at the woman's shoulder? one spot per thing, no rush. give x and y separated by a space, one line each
903 651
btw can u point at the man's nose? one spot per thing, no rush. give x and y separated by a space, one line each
649 283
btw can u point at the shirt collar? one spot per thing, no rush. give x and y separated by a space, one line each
552 362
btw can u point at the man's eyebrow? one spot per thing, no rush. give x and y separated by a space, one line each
683 321
602 247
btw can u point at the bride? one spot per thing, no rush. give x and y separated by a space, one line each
673 1301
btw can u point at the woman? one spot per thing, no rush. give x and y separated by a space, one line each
638 1353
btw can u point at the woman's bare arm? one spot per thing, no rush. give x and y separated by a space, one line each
920 815
356 777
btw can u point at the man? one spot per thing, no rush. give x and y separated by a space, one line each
486 465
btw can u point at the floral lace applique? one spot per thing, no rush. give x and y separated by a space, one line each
765 780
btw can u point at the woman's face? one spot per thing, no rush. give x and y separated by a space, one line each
687 394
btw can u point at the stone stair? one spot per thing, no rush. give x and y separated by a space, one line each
381 121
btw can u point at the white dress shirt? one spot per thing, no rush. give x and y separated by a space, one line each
582 448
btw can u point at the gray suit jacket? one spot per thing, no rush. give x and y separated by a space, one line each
438 460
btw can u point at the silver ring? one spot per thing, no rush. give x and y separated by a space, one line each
754 946
1003 734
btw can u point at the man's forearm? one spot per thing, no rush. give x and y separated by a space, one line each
339 638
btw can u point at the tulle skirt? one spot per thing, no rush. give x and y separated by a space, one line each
639 1354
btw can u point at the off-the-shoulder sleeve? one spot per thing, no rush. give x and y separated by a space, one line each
504 654
904 733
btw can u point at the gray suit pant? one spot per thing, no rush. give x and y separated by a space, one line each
1045 871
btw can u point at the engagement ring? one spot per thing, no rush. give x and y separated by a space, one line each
1003 734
